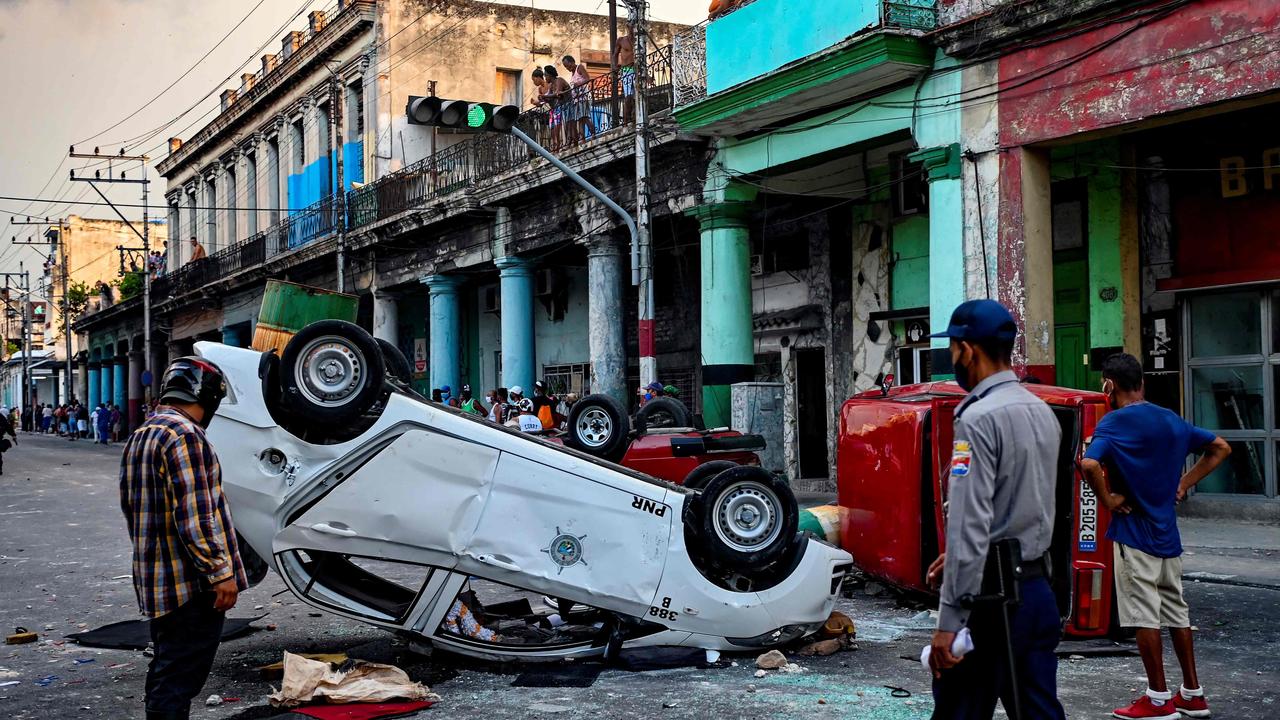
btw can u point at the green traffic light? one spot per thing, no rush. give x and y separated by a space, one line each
476 116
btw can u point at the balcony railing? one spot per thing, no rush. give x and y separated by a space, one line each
689 64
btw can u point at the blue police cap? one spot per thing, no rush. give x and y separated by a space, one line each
980 320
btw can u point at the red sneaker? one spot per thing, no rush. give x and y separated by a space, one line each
1196 707
1144 709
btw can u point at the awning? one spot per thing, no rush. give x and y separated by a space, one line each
804 317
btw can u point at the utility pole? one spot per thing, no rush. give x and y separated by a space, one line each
335 152
144 235
59 246
24 285
644 277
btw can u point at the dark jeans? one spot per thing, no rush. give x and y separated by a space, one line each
185 642
970 689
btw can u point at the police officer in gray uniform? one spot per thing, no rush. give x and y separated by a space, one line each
1001 487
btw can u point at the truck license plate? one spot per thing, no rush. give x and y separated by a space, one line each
1087 539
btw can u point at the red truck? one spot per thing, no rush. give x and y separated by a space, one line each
892 462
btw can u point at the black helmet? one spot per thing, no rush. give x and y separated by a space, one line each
194 380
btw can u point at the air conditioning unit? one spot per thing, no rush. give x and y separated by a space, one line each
757 264
492 299
544 282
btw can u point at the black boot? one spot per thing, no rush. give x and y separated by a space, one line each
169 714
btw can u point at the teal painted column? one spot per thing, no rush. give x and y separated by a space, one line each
118 383
946 238
727 339
95 370
516 277
445 327
105 376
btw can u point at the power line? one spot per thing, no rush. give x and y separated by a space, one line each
188 71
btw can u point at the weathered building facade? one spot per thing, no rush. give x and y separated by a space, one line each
484 267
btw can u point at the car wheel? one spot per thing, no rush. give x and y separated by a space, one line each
664 412
698 477
255 568
397 365
746 519
331 372
598 426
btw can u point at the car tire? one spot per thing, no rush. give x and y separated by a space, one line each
745 519
255 568
663 412
397 364
698 477
331 373
599 426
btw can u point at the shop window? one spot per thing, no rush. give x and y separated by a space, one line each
568 378
1226 324
768 367
913 365
1242 473
1228 398
910 187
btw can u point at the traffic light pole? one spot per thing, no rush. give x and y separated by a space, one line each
581 181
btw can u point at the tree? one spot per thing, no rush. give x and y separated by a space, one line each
76 302
130 285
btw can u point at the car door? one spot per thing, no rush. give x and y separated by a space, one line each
942 430
376 534
571 528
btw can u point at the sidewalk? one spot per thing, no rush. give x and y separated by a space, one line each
1230 552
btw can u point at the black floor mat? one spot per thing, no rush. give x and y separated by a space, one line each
136 634
664 658
570 675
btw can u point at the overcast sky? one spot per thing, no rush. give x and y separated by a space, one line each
77 67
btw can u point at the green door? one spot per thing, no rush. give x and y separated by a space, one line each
1071 319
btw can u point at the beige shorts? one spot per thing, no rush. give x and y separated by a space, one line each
1149 590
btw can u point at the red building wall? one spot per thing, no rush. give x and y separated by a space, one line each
1202 53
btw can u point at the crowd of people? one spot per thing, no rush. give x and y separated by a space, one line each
74 421
569 101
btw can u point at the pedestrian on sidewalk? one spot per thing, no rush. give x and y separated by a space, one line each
999 500
1144 448
115 423
46 417
186 567
6 428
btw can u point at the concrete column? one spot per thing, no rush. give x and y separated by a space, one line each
82 377
134 412
119 384
385 317
1025 271
445 326
518 359
946 238
106 380
727 345
94 395
604 318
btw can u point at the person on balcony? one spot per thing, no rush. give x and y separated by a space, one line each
624 58
197 250
580 84
556 96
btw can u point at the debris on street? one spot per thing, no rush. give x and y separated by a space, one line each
354 681
771 660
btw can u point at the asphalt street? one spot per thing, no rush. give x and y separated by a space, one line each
64 567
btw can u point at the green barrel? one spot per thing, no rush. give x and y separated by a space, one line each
288 307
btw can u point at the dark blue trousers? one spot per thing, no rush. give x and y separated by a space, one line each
969 690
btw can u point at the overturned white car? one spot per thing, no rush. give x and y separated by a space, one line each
377 505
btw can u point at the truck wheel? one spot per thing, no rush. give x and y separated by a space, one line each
397 364
598 426
664 412
331 373
698 477
745 519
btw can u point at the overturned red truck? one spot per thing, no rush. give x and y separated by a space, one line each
893 457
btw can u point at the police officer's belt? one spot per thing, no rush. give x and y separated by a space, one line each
1040 567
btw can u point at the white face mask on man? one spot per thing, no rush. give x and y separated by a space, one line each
488 399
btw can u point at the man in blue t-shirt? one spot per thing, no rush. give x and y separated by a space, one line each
1144 449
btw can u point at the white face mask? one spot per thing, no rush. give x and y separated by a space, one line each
488 399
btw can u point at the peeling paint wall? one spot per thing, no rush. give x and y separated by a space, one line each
1196 55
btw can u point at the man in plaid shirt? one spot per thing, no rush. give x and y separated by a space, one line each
186 567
